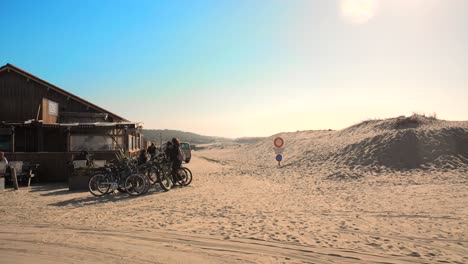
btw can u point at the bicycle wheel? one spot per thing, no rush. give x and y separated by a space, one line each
165 181
152 175
189 176
99 185
147 183
135 184
182 177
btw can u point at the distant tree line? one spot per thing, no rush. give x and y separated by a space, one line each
164 135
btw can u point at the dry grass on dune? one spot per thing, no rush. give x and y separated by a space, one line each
409 143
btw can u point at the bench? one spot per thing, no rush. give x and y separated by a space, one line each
25 172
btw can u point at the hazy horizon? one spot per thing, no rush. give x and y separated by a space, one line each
430 115
243 68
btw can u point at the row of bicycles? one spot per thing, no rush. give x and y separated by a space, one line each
126 175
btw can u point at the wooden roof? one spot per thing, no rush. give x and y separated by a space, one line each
8 67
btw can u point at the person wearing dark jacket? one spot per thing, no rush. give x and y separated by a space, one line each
84 155
142 159
173 155
152 150
168 149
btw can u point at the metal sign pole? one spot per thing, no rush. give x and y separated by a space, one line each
278 142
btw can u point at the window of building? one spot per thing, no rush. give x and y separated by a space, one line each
94 143
130 142
5 143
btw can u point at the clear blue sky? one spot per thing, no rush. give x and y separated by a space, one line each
245 67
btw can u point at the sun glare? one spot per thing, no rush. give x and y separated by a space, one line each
358 11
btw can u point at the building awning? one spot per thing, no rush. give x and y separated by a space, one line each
118 125
103 125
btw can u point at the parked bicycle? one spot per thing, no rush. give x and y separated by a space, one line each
159 169
122 177
126 176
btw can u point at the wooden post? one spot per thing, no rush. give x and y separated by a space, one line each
14 179
38 112
126 142
68 139
30 176
40 138
13 142
13 139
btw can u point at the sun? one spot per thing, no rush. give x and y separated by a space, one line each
358 11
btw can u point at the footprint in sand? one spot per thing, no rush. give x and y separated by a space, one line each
374 245
414 254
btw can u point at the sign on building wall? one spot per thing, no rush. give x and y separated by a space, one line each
50 111
53 108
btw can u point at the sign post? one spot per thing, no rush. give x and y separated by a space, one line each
279 143
279 158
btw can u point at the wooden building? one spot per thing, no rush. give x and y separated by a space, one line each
44 124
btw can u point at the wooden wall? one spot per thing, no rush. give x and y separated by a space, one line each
54 139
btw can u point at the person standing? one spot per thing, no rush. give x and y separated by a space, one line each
3 164
3 158
167 148
176 157
152 150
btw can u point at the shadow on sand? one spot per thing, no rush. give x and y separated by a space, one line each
112 197
50 188
60 189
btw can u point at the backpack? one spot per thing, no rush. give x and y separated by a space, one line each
167 149
180 154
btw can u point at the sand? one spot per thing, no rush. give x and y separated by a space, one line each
241 209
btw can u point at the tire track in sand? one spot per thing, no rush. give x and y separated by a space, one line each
48 244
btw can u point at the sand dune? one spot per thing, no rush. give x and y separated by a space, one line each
340 197
396 145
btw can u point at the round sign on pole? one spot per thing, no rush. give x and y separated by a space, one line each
279 157
279 142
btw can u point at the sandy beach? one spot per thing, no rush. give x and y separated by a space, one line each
309 131
240 209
